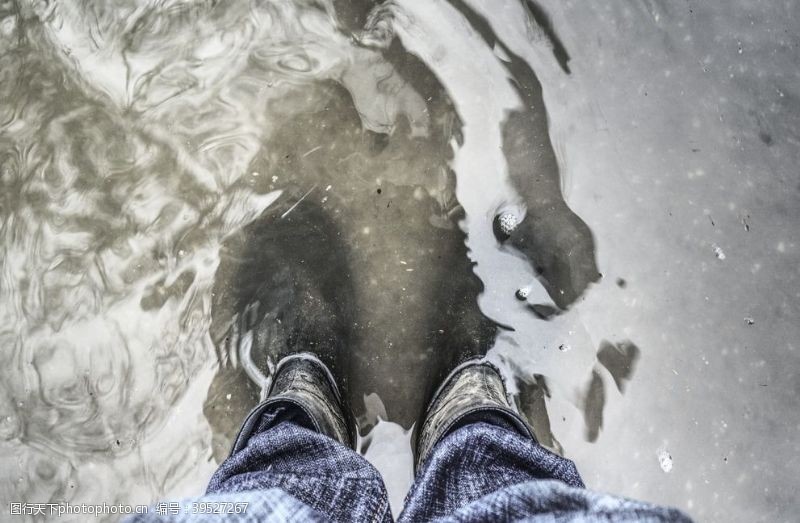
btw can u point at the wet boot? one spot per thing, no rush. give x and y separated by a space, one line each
474 391
302 381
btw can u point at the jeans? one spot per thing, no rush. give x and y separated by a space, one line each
481 471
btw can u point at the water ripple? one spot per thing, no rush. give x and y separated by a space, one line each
138 140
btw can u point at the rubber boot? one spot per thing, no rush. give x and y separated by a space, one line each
302 380
473 391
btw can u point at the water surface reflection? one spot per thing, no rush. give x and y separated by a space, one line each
341 164
130 172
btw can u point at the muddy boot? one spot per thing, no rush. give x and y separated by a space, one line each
473 391
302 381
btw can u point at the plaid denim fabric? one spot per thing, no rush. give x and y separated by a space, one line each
490 472
480 472
254 506
314 469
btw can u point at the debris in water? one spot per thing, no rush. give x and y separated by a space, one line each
720 254
317 148
748 320
665 460
298 201
504 224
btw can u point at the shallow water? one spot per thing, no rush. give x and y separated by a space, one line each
165 164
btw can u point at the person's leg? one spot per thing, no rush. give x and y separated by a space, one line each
282 309
293 460
284 451
478 460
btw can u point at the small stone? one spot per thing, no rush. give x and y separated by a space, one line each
749 321
718 252
508 222
504 224
564 347
523 293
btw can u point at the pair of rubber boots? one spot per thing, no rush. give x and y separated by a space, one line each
473 391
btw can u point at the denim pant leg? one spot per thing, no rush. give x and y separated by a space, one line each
319 472
488 471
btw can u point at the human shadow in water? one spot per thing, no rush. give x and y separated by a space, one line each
359 248
368 226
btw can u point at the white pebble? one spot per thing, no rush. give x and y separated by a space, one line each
508 222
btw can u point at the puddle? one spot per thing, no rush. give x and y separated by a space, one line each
414 183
